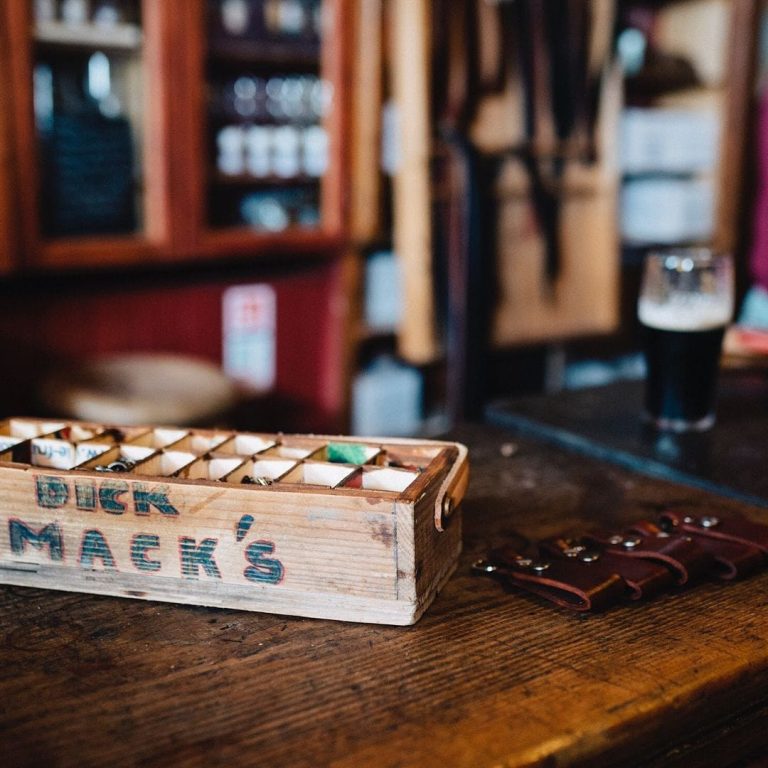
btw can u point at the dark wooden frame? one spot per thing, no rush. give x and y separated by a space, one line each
174 90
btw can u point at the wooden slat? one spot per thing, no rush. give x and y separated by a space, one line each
365 165
8 224
335 64
158 77
412 228
731 192
18 25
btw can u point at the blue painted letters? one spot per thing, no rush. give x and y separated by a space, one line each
195 556
94 546
50 536
262 569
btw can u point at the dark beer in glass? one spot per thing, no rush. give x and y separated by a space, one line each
685 304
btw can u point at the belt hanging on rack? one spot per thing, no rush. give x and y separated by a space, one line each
561 51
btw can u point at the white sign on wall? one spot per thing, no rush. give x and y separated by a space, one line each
249 344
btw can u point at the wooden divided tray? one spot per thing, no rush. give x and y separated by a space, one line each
333 527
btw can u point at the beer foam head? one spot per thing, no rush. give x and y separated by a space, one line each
685 312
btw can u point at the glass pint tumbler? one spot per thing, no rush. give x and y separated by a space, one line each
685 304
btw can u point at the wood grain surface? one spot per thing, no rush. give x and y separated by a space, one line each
486 678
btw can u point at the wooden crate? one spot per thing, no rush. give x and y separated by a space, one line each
331 527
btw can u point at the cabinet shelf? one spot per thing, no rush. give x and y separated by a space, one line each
96 251
118 37
254 243
365 333
163 73
247 180
271 53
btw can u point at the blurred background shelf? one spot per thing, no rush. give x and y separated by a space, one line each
117 37
124 150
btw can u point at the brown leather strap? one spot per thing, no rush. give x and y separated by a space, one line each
680 553
643 578
599 569
738 545
731 528
573 584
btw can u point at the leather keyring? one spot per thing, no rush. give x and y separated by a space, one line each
573 584
738 546
643 578
598 570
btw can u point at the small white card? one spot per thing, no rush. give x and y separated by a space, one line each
249 340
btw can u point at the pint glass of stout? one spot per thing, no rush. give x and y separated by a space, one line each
686 301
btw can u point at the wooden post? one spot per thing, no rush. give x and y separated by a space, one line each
742 54
412 188
365 186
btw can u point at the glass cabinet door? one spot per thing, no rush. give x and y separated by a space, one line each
88 126
88 107
269 106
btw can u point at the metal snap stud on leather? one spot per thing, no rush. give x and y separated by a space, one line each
709 521
484 566
539 566
616 539
574 551
589 557
631 542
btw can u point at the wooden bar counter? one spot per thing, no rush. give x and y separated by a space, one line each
485 678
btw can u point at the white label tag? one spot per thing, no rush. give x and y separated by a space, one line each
249 339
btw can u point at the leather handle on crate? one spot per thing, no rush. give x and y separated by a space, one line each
453 487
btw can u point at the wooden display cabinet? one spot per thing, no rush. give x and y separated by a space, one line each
164 60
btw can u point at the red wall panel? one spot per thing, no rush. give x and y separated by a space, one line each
41 329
